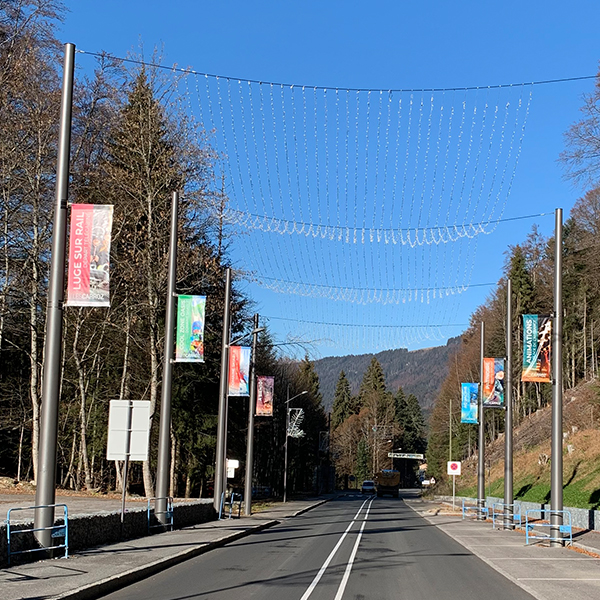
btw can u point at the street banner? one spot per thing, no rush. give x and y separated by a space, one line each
190 329
89 255
537 333
265 387
239 370
469 409
493 382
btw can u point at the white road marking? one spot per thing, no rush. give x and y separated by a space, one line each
346 576
534 558
322 570
557 579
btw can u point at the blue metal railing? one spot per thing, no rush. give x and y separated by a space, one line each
533 526
468 509
168 514
58 531
233 498
499 510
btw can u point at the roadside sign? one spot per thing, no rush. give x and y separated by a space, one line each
405 455
134 438
454 467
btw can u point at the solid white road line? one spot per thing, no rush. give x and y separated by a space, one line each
346 576
322 570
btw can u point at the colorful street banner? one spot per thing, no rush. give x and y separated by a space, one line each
537 334
89 255
469 409
493 382
239 370
190 329
265 387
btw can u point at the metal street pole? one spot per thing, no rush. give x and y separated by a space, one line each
220 465
508 416
46 471
162 467
251 409
126 464
287 429
481 459
556 490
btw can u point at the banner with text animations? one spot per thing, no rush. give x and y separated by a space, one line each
537 333
265 387
239 370
89 255
190 329
469 408
493 382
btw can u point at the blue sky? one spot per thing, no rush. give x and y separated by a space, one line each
381 45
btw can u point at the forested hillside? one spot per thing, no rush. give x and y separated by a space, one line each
418 372
132 146
530 267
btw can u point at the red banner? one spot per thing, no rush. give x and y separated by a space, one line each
264 396
239 371
89 255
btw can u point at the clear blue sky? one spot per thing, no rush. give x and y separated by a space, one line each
383 45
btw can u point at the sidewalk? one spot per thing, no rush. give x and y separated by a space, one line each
547 573
98 571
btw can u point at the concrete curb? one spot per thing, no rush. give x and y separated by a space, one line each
117 582
304 510
122 580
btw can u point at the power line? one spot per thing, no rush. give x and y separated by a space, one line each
374 326
106 55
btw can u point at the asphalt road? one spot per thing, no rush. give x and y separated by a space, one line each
351 548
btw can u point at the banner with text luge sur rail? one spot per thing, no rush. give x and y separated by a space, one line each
89 255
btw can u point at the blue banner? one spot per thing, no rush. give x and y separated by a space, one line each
469 405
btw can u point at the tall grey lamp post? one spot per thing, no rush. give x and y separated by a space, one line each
221 467
251 408
287 429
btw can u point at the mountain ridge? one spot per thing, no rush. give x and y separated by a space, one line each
419 372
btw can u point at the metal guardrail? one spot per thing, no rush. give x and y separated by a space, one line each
224 504
58 531
467 509
531 524
151 512
235 498
499 513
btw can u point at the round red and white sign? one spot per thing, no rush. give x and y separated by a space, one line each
454 467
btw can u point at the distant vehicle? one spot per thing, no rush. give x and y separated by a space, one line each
387 482
368 487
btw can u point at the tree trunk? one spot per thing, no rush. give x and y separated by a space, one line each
33 363
585 367
152 300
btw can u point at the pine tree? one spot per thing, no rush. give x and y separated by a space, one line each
307 454
342 401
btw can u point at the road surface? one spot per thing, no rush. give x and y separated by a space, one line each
351 548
